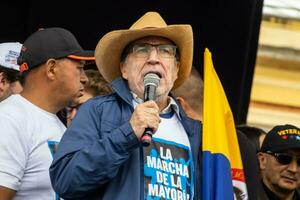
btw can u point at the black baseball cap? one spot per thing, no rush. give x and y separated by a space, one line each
49 43
281 137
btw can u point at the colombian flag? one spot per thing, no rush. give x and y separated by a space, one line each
223 175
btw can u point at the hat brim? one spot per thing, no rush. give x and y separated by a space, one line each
110 47
282 147
83 55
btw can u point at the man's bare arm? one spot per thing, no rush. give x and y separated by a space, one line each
6 193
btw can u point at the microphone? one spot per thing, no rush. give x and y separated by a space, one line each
151 82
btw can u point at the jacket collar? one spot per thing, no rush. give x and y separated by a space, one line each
120 86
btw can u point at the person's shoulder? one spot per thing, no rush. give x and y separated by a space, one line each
244 141
19 109
12 104
297 194
241 136
100 101
97 100
14 117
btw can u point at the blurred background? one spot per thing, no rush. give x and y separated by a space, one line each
255 44
275 94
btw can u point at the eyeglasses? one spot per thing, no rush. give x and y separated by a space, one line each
284 158
163 50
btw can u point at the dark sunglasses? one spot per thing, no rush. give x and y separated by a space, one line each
284 158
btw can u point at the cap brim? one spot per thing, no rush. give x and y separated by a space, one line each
285 147
282 147
83 55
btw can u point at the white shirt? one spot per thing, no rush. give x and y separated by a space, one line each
29 136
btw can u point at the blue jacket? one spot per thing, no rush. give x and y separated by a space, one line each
99 156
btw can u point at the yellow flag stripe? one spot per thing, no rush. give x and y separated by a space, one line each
219 133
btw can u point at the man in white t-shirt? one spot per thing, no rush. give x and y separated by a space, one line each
9 70
51 61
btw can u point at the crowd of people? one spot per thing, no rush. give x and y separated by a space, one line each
72 120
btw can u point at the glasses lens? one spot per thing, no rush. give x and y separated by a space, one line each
167 51
163 50
283 159
141 50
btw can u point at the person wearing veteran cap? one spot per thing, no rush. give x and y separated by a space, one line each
52 62
101 155
279 160
9 69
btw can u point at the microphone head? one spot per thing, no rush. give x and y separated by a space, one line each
151 79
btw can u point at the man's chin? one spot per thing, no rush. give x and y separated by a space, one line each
75 101
288 184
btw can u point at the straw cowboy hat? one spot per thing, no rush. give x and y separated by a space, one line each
110 47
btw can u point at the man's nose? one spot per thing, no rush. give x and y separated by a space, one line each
293 167
153 55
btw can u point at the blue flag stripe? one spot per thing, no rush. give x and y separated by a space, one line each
217 181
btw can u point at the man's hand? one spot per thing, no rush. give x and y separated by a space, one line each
145 115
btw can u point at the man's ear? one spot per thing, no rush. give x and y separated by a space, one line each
177 69
3 83
262 159
3 80
51 68
123 70
178 65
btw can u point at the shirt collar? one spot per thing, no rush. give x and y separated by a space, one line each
172 105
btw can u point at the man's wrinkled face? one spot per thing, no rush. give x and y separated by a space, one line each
277 173
150 54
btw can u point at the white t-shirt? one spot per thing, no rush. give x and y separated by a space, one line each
28 139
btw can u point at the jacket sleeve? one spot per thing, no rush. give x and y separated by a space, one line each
89 154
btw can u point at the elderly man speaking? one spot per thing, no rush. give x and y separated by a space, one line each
105 154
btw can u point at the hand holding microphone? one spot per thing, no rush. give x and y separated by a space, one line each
145 118
151 82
